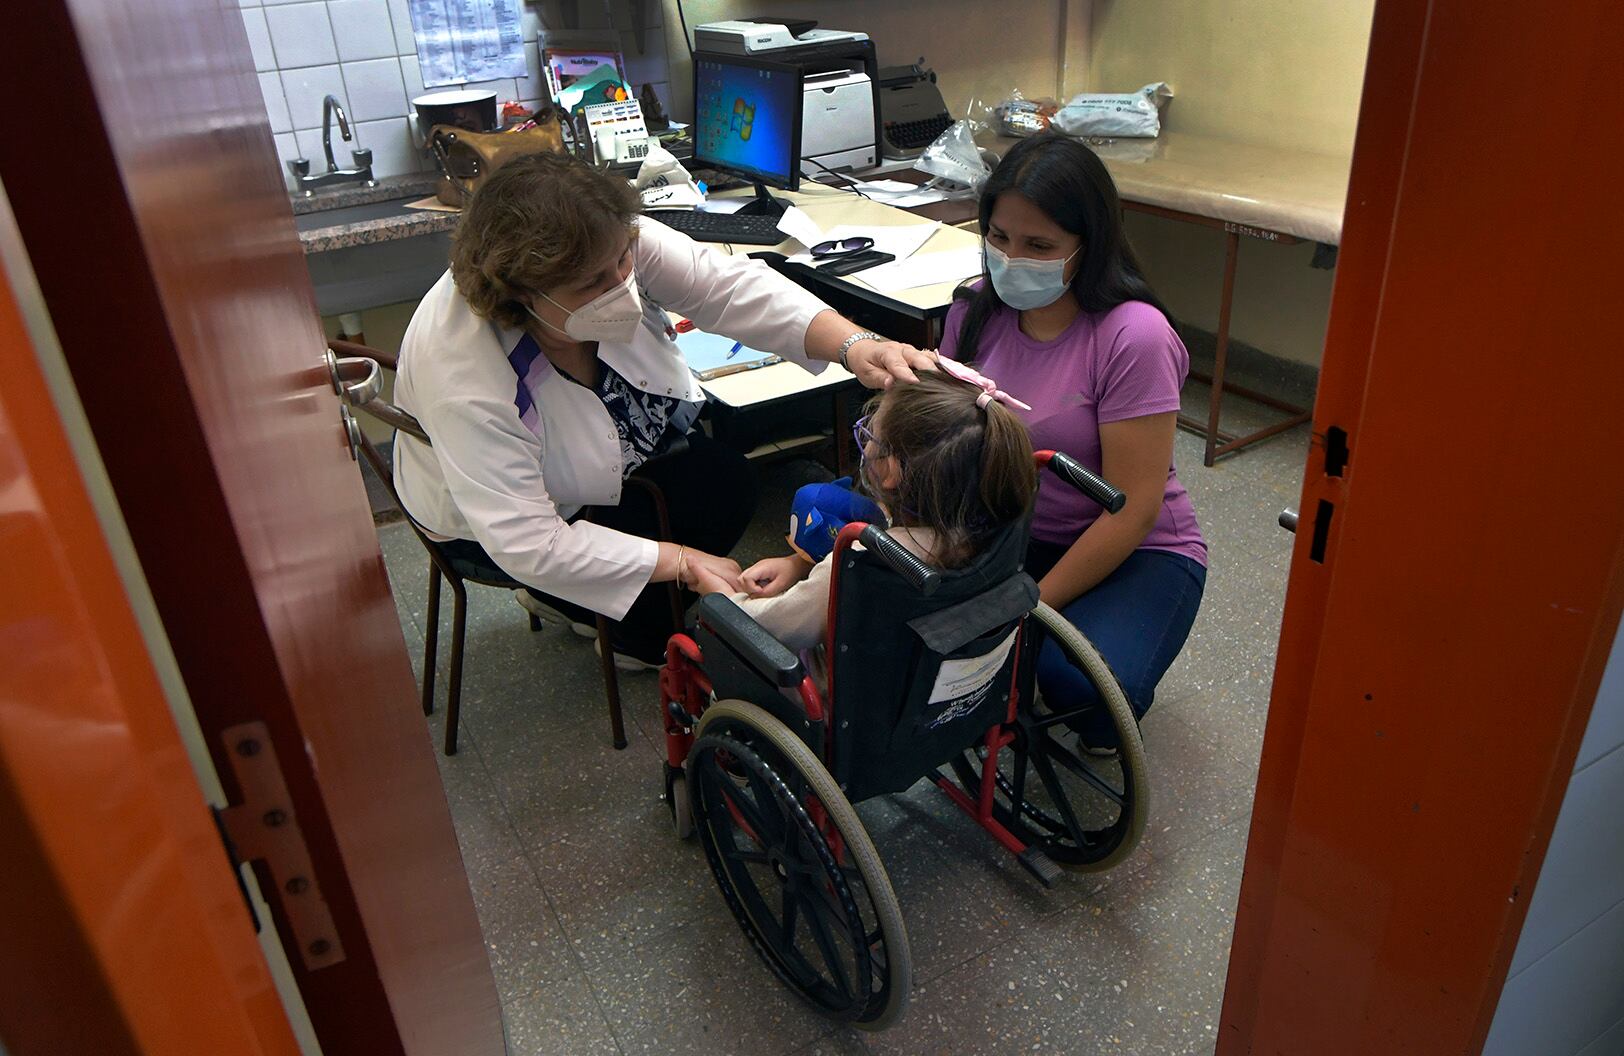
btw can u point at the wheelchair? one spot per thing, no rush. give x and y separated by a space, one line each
937 681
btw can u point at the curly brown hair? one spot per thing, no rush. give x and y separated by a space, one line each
535 224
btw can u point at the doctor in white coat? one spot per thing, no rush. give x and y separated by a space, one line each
543 371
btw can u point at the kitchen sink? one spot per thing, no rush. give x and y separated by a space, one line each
351 214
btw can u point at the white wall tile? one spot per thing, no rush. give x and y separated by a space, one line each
503 88
375 89
362 29
392 149
401 18
310 147
276 3
1606 728
276 102
1561 1003
530 22
248 3
533 86
412 76
302 35
259 38
287 148
305 89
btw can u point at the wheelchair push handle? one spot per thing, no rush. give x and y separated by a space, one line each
919 575
1080 477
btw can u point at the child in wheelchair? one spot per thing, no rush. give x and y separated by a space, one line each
951 467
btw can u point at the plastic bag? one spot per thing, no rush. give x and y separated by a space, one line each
954 156
1137 114
663 182
1019 116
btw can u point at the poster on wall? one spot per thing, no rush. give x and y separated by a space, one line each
468 40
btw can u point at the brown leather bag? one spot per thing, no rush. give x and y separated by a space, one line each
466 158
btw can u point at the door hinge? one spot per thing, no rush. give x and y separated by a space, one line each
264 828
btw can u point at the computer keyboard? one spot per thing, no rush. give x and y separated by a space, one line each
747 230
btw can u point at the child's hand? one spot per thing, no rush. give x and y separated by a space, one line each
773 576
702 579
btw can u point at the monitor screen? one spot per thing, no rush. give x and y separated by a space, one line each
747 118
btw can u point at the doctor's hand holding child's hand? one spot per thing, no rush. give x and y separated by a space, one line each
772 576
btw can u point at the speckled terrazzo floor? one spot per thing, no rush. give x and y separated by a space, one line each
607 935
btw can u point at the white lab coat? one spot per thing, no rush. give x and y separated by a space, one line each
489 477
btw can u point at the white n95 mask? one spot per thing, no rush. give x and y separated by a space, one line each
1024 283
612 317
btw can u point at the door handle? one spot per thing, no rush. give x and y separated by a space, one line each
352 431
356 379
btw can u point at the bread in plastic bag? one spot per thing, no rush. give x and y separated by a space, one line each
1019 116
1137 114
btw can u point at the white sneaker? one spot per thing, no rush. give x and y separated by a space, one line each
541 610
625 661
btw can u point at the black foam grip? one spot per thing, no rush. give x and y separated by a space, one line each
1095 487
921 576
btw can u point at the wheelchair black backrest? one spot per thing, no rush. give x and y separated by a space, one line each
919 679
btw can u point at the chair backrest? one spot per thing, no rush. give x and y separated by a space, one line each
918 679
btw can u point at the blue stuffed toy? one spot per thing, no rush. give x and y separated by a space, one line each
818 513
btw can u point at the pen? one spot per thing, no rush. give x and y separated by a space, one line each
734 350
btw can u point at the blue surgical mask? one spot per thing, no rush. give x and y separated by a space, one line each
1024 283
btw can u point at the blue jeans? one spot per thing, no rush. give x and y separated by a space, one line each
1138 618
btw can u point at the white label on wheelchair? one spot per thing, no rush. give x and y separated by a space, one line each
963 684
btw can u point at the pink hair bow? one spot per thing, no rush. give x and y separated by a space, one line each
990 389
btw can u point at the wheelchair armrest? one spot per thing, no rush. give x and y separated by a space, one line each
755 647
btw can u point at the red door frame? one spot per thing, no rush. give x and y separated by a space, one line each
1437 666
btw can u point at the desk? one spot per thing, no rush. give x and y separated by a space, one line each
1274 195
912 315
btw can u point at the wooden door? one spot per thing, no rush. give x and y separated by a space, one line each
1458 570
148 195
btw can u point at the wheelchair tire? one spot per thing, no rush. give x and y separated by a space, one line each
679 802
1046 815
742 758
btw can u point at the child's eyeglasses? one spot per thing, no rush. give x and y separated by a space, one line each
839 247
863 435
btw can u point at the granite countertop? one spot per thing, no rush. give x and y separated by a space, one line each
346 230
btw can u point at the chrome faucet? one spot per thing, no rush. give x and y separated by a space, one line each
360 158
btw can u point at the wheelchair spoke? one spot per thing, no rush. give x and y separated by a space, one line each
1075 765
786 929
831 954
1051 782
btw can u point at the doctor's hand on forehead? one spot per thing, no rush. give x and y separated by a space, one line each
877 361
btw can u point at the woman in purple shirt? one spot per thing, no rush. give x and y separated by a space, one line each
1064 320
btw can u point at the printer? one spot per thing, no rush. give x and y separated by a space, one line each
840 113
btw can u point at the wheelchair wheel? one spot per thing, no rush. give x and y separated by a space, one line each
797 868
679 802
1083 811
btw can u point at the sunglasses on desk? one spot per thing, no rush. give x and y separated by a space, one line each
840 247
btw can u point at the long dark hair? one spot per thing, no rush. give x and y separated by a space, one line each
1069 183
966 471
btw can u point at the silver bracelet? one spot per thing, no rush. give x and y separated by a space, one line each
861 335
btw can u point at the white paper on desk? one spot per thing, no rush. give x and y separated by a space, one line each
722 205
901 194
900 240
800 227
927 269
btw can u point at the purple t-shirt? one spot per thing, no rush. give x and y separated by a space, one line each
1106 367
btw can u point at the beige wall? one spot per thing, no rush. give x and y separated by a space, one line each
980 49
1283 73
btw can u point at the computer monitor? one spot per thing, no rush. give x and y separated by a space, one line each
747 118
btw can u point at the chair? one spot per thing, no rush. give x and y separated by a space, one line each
934 680
459 573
